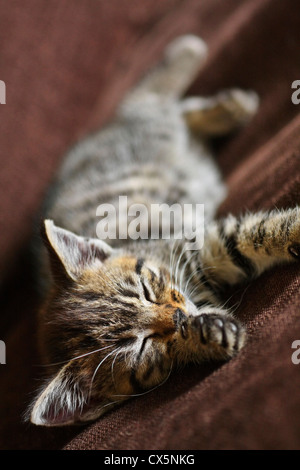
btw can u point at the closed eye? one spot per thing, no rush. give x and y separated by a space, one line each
153 335
147 293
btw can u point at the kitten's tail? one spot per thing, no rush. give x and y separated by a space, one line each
182 59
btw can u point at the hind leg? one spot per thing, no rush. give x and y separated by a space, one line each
181 62
220 114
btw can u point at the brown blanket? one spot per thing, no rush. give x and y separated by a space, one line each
66 65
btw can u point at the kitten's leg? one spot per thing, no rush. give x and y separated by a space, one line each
182 60
235 250
220 114
239 249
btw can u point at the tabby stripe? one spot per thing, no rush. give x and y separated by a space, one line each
96 198
88 341
162 282
130 281
139 265
129 293
110 176
119 330
147 294
89 295
174 296
237 257
126 341
240 260
152 274
285 226
119 302
142 347
81 323
137 387
261 232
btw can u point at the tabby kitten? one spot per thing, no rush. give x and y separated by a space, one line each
118 317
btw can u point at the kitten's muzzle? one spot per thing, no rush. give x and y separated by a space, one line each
180 321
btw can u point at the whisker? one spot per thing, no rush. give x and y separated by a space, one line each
198 283
109 404
98 366
172 259
234 307
203 269
112 367
183 249
77 357
171 263
183 270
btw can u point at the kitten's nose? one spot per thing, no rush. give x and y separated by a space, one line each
180 322
178 317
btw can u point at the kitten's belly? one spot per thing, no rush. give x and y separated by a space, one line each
195 180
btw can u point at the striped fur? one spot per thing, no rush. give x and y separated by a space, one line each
118 318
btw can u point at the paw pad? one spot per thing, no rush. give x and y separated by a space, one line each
220 331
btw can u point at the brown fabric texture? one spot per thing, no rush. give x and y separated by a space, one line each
66 65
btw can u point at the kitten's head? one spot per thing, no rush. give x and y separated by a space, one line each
114 326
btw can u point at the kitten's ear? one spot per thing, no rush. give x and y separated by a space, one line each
71 254
64 401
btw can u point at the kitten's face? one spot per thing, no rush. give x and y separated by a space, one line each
116 325
138 316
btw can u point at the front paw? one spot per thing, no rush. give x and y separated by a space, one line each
220 335
291 224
